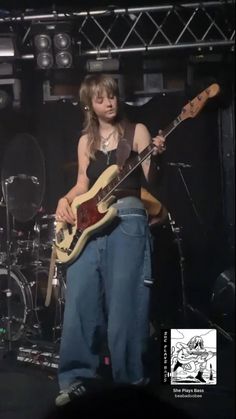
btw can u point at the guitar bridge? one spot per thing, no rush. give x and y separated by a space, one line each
69 249
63 250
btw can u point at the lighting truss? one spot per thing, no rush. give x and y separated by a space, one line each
194 26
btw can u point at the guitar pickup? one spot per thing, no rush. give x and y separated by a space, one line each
69 228
60 236
74 241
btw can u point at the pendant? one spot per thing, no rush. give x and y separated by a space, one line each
108 157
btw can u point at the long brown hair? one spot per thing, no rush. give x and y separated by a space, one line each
91 86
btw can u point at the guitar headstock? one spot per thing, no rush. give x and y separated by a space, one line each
195 105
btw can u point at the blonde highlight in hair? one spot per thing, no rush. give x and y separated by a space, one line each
93 85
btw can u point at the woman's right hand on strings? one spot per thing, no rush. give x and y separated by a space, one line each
64 211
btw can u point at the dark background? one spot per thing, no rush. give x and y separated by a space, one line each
194 196
192 255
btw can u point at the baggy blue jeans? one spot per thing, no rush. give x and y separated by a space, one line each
113 268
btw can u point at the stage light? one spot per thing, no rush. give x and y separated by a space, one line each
103 65
63 50
64 59
42 42
62 41
44 60
53 45
43 51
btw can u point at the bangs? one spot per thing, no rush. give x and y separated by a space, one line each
107 85
95 86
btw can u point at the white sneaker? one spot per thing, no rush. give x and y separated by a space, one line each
65 396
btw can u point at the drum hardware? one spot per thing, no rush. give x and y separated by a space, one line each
45 232
3 255
8 261
23 182
23 313
34 179
31 318
55 281
24 253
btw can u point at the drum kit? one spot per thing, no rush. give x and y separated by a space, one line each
30 318
26 248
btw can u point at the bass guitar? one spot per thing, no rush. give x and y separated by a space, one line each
93 209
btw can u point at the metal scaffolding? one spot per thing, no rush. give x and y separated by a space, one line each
192 26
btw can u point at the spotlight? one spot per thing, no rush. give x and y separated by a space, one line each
63 50
44 60
42 42
43 51
63 59
62 41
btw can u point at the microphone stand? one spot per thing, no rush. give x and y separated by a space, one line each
176 232
184 166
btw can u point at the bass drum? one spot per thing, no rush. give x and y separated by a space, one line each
16 292
29 317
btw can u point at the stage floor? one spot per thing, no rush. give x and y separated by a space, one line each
28 391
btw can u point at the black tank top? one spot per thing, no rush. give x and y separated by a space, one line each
102 160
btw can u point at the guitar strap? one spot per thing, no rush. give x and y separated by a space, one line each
125 144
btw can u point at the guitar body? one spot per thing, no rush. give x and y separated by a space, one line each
90 218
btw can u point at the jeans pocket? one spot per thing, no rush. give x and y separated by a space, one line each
133 225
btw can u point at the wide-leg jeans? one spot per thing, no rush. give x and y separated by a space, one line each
107 281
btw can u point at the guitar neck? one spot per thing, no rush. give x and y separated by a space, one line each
171 126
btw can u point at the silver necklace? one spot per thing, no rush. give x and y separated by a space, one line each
105 141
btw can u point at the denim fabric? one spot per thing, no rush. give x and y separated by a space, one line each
107 283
